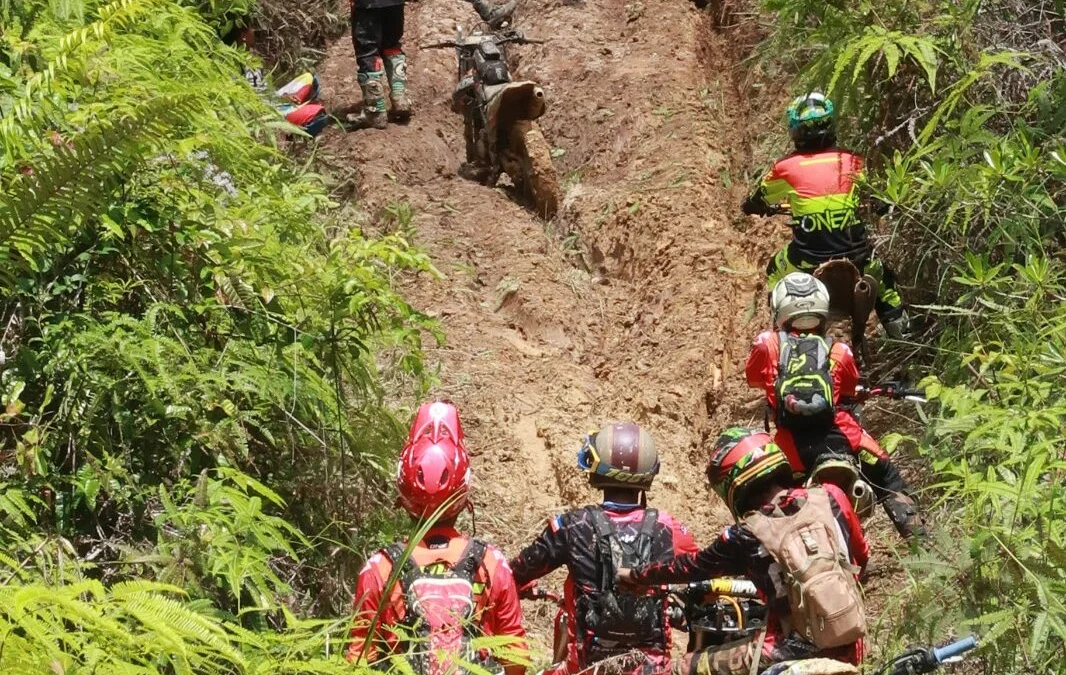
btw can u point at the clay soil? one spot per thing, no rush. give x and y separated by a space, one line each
638 302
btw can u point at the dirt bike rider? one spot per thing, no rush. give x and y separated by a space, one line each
434 472
799 306
377 32
751 474
601 622
820 182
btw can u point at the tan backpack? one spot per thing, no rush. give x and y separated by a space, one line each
826 603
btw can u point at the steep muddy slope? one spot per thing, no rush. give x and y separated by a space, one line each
639 302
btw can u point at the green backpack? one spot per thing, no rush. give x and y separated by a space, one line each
804 385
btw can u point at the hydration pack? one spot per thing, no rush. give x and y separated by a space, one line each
439 602
826 606
804 385
610 620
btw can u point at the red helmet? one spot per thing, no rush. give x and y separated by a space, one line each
434 468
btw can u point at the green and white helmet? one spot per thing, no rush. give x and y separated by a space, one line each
810 119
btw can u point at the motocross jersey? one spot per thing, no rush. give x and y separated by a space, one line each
821 189
497 606
737 552
571 539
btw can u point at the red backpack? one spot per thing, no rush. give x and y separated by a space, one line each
439 611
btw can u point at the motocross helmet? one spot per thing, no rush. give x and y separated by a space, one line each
811 122
434 468
800 302
621 454
743 459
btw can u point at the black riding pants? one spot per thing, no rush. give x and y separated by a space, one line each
376 32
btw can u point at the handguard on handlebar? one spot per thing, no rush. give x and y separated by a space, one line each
926 660
716 611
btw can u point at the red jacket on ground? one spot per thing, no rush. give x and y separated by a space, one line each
497 606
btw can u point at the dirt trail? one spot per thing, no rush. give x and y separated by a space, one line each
540 350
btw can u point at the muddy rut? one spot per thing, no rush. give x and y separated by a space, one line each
638 302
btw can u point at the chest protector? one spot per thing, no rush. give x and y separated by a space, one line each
826 606
609 620
439 606
804 385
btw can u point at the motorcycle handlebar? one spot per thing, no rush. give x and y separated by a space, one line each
957 648
506 39
737 588
928 659
891 390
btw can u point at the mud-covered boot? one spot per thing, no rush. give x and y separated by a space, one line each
494 16
396 71
903 512
373 115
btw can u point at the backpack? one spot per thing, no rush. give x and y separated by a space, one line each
804 385
612 621
439 610
824 598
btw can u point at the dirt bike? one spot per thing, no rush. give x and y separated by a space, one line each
914 662
843 470
711 612
499 116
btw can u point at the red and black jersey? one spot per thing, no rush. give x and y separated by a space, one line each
570 540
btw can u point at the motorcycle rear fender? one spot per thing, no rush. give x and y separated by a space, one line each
510 102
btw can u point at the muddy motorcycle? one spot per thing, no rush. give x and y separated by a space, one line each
502 135
843 470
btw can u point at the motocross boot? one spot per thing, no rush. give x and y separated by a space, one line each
903 512
494 16
373 115
396 72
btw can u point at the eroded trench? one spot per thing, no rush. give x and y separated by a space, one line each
639 301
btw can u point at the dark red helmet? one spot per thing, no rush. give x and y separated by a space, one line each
434 468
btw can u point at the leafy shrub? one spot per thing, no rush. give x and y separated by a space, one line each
171 305
961 108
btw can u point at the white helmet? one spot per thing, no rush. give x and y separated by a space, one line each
799 301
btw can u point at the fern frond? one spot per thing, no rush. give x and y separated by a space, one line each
79 179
